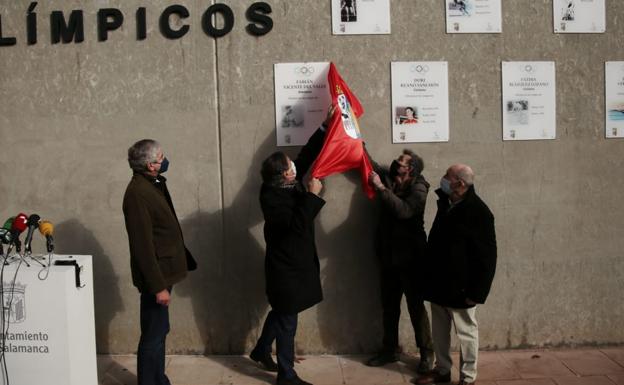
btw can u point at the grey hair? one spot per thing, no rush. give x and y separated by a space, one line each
466 174
142 153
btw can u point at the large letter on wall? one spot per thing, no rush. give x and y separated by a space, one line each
261 24
109 19
165 27
60 30
228 20
6 41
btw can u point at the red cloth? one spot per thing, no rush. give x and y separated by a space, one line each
343 148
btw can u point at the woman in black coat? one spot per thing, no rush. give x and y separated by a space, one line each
293 282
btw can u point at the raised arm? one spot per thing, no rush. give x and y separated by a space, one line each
310 151
410 205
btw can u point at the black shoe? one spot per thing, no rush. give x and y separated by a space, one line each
426 362
433 377
424 366
265 360
291 381
382 359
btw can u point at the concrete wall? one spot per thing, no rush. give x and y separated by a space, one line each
68 112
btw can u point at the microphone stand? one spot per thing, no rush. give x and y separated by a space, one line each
7 256
20 255
28 254
18 248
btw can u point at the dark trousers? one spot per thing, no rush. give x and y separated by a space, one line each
396 281
151 352
280 328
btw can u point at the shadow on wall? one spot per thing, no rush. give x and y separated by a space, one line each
228 292
75 238
349 317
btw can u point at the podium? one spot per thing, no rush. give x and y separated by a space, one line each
49 325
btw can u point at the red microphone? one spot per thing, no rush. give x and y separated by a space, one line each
20 223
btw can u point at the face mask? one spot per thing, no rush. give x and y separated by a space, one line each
164 166
294 168
394 168
445 185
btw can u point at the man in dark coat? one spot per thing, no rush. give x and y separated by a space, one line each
400 247
158 257
462 261
292 266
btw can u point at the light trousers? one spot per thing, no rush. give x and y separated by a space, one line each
465 322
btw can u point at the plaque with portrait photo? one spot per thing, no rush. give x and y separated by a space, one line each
529 100
579 16
614 99
360 17
301 100
420 104
473 16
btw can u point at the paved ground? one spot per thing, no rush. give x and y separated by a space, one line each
518 367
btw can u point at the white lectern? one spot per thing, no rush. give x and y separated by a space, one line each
50 338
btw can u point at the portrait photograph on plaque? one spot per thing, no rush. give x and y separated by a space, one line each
360 17
301 100
529 100
614 99
473 16
579 16
406 115
420 109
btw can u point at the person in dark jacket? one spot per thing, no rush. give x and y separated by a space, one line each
292 266
461 264
158 257
400 247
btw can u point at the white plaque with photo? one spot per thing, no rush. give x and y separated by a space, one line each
529 100
579 16
301 101
473 16
614 99
360 17
420 102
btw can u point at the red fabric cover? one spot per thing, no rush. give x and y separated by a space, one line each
343 148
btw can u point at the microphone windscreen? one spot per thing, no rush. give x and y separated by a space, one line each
33 220
8 223
20 223
5 236
46 228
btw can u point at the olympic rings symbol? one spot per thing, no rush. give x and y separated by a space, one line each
305 70
421 69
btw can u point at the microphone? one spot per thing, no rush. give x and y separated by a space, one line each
5 236
32 223
18 226
20 223
46 228
5 239
8 223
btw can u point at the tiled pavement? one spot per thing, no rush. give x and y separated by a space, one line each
604 366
